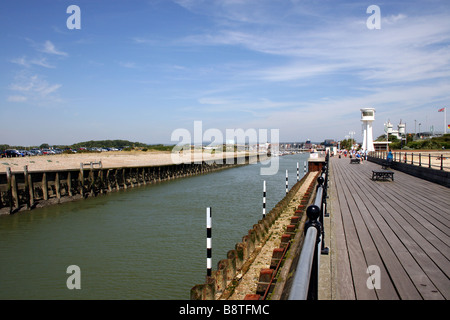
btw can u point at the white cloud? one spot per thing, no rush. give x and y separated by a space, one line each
49 47
33 88
17 98
407 48
24 62
128 64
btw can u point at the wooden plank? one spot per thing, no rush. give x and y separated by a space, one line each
363 230
413 191
430 260
422 220
392 246
356 255
407 231
342 272
416 221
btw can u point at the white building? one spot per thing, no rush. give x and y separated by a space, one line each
399 133
367 117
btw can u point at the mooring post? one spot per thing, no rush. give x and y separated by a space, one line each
30 188
287 184
10 196
69 183
81 179
264 199
44 185
208 242
27 188
57 186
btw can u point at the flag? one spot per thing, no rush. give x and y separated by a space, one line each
441 110
448 126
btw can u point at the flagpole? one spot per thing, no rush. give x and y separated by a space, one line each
444 109
445 119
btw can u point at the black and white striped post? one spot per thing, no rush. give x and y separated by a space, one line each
208 242
264 199
298 173
304 167
287 184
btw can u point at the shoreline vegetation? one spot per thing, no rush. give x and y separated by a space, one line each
88 146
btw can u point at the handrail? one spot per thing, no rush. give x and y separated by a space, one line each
300 284
432 160
305 282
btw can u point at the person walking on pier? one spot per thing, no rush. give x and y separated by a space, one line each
389 157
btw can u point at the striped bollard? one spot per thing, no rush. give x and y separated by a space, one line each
304 168
208 242
264 199
287 188
298 173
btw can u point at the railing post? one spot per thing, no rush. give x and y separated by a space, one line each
420 159
442 162
313 212
429 160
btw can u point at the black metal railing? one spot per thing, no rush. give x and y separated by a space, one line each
434 160
306 280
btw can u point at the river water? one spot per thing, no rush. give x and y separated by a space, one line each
143 243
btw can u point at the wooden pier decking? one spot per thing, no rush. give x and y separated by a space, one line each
401 227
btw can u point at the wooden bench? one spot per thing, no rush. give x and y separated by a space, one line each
386 164
382 175
356 160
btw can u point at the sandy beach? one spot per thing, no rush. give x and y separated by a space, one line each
111 159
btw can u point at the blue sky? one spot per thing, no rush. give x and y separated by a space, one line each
138 70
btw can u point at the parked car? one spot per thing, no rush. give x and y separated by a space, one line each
11 153
47 151
2 154
26 153
36 152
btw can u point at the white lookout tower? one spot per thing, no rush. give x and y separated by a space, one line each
367 116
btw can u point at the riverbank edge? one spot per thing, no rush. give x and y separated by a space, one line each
224 281
25 191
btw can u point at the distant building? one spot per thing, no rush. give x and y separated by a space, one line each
399 133
308 144
329 142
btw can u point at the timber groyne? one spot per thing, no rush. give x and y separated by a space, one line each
279 251
25 190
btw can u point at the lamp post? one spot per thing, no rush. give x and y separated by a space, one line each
351 133
415 128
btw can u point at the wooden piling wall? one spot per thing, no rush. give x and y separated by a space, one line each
29 189
239 260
